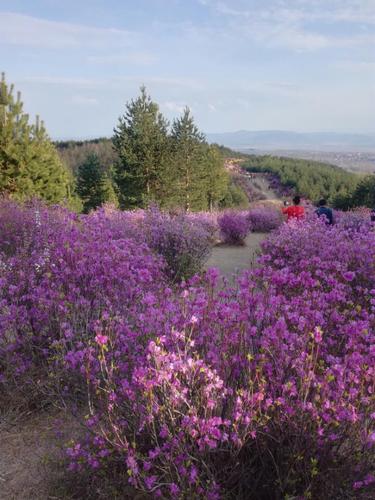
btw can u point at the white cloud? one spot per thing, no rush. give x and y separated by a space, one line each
138 58
189 83
176 107
85 100
114 81
355 66
353 11
63 81
287 23
244 103
18 29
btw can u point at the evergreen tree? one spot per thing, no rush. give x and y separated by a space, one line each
29 163
235 197
216 177
364 194
188 146
141 142
93 185
74 153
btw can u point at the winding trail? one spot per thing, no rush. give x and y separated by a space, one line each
230 259
260 183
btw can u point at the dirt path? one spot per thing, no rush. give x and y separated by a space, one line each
30 455
260 183
231 260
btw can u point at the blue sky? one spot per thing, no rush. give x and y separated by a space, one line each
304 65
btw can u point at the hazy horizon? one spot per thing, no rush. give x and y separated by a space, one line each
296 65
228 132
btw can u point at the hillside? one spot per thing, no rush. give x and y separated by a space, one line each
311 179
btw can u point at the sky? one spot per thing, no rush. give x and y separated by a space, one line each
302 65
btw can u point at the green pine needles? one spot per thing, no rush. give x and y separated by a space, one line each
94 186
172 166
29 163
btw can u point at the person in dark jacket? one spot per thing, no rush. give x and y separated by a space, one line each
325 211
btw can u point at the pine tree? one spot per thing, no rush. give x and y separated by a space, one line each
142 144
216 177
188 146
364 194
29 163
93 185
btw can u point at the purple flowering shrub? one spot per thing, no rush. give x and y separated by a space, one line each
21 225
117 223
183 240
53 297
184 243
265 219
239 394
268 387
207 220
234 227
260 390
354 219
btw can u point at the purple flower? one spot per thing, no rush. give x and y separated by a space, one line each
101 339
150 481
349 276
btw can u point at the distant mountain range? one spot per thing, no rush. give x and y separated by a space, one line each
279 139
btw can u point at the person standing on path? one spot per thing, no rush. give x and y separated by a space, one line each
295 211
325 211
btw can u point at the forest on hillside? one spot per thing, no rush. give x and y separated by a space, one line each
149 160
313 180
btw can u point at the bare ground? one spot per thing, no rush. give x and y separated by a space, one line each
231 260
31 457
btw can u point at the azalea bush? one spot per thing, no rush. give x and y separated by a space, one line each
234 227
354 219
52 295
184 243
208 221
265 219
23 227
263 389
183 240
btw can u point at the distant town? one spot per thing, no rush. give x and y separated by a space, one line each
355 161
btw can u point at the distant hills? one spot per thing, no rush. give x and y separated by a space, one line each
279 139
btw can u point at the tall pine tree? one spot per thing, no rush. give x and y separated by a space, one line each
216 178
141 142
93 185
29 163
188 146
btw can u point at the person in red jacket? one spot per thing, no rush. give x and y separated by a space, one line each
295 211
